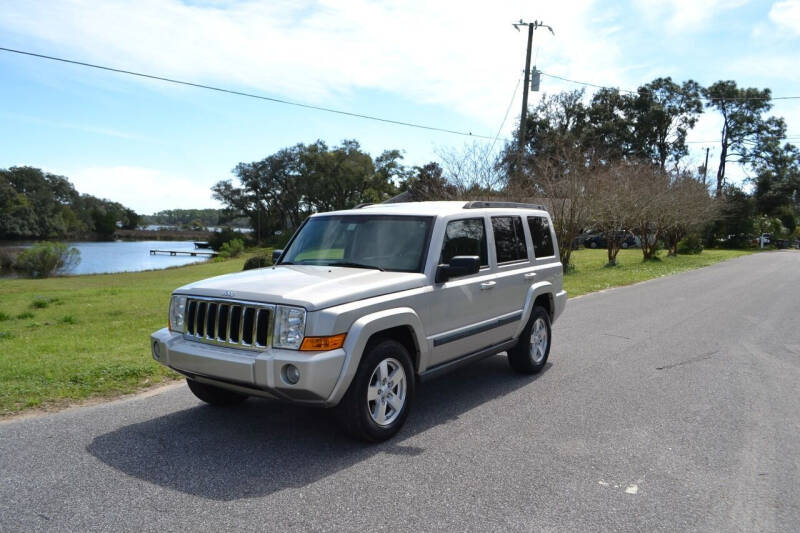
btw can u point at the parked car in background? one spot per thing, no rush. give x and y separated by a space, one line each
599 241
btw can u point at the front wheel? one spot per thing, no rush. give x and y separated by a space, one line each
378 401
530 354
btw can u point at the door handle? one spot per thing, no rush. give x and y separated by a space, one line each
530 275
488 285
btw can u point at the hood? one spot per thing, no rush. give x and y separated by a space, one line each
310 286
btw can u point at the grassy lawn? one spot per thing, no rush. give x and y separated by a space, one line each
590 273
71 338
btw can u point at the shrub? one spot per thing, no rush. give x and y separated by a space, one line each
232 248
691 244
4 316
41 302
44 259
8 256
257 261
219 238
68 319
23 316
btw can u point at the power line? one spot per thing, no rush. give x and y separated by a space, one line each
588 84
508 110
249 95
787 138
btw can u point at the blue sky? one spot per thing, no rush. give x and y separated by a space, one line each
450 64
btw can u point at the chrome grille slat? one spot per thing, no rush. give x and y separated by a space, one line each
241 325
255 326
215 331
216 321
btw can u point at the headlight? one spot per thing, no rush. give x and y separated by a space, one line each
177 313
290 327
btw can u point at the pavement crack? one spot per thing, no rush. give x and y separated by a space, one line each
688 361
617 336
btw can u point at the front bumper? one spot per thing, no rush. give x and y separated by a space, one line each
256 372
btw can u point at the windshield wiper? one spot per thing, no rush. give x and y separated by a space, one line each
355 265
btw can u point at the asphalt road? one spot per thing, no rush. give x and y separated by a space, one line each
668 405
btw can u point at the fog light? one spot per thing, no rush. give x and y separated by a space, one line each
291 374
156 353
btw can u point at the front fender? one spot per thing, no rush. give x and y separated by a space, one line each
360 333
534 291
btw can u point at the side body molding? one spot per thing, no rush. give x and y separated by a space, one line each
534 291
360 332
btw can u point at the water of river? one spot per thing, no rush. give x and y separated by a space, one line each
130 256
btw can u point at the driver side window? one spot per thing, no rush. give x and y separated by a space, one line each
464 237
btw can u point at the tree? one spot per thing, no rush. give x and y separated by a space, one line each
651 205
733 224
427 183
661 115
743 125
36 204
280 191
473 171
688 209
613 205
777 181
564 181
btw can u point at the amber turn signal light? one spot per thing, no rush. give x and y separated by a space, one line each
321 344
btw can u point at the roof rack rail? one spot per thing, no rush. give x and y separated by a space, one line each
518 205
365 204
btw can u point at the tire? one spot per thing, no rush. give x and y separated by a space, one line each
530 354
215 395
624 245
592 244
379 399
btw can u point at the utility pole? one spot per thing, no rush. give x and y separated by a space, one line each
705 168
526 86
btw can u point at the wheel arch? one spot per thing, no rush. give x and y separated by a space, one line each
541 294
401 324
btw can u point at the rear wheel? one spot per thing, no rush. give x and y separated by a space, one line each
214 395
530 354
377 403
592 244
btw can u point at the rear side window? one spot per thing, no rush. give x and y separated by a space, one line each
509 239
464 237
541 237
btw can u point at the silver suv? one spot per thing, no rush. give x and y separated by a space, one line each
364 303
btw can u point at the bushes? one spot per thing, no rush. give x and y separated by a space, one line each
257 261
691 244
8 256
219 238
232 248
45 259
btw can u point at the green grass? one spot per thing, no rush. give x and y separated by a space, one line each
590 273
86 336
78 337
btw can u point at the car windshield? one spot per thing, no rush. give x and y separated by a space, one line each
384 242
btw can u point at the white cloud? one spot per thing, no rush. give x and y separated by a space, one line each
786 15
685 15
145 190
462 55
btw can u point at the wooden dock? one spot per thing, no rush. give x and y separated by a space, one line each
193 253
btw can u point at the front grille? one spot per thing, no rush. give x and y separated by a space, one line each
229 323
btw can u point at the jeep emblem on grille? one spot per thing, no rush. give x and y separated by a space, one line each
229 294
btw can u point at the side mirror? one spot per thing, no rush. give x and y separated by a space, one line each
276 254
460 265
